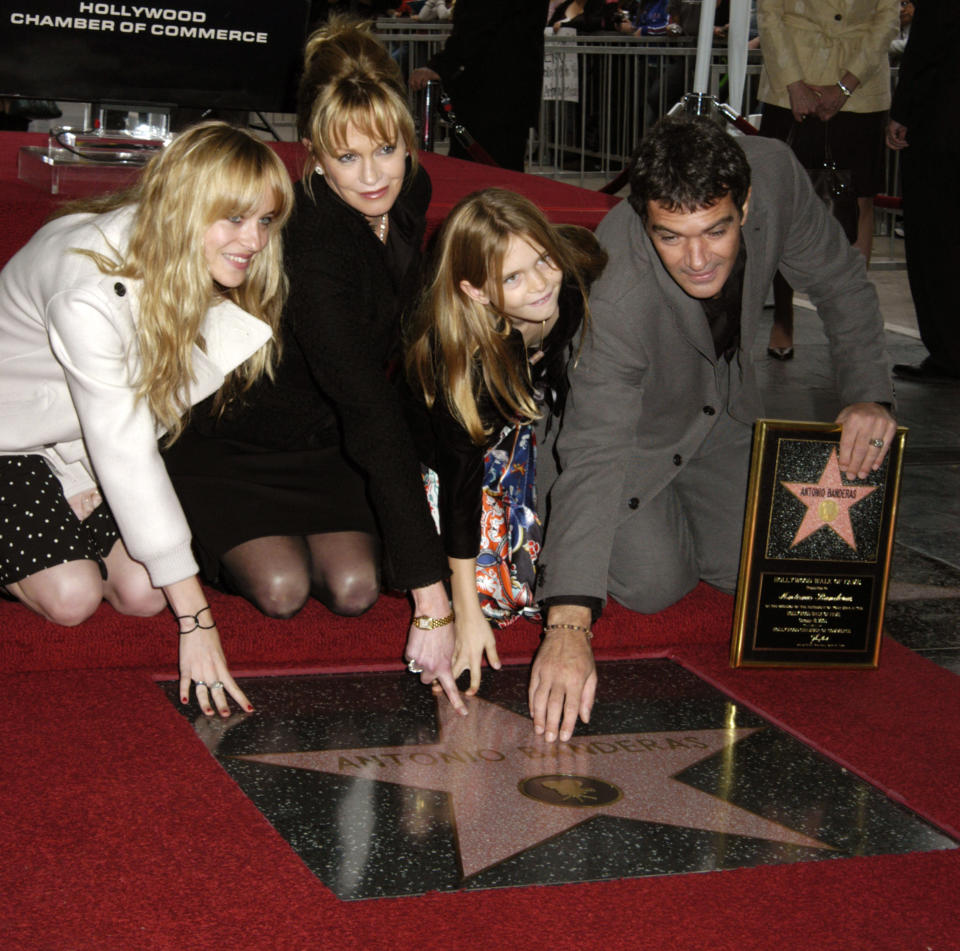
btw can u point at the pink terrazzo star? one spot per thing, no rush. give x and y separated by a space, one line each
484 759
828 503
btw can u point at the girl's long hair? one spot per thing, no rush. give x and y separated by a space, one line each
350 79
459 347
208 172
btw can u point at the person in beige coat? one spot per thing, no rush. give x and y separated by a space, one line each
826 79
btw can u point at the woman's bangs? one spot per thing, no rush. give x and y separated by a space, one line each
243 188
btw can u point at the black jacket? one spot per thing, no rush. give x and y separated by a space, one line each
446 447
340 333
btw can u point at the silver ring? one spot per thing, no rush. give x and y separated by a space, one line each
413 667
876 443
200 683
217 684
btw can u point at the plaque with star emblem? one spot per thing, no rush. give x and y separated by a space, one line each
816 551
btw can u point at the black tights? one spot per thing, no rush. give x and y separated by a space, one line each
278 573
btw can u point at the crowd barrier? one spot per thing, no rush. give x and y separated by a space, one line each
601 93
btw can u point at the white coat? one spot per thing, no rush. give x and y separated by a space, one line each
69 361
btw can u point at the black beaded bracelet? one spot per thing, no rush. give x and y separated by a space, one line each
196 621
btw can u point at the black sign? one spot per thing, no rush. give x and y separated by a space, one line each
218 54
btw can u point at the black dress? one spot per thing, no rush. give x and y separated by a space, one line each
325 446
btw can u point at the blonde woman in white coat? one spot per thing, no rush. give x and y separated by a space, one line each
117 317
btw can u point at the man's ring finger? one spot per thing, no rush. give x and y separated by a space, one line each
414 667
876 443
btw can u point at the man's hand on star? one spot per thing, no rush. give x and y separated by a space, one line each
864 426
563 679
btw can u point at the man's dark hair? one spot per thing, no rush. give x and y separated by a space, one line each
687 163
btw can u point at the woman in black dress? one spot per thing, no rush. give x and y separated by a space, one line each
292 492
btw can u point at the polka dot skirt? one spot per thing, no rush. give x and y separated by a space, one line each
38 529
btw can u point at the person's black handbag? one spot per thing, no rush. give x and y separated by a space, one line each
834 186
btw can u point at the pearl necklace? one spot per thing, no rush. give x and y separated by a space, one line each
382 227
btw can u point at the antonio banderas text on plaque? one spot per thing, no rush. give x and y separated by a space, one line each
816 552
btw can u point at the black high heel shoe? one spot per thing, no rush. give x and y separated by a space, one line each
780 353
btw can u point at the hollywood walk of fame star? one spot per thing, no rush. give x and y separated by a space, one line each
828 503
497 773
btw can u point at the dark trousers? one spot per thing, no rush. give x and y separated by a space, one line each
504 140
931 210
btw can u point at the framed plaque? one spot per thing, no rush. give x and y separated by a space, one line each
816 551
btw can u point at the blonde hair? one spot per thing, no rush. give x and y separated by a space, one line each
460 346
209 172
350 79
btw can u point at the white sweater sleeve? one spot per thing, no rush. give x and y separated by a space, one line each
95 344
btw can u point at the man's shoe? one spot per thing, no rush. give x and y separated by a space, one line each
925 372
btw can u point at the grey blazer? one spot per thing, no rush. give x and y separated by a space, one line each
647 390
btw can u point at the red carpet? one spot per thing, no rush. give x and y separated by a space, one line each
119 831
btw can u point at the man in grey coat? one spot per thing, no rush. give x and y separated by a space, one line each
655 444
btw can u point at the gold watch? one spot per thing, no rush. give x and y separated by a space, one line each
426 623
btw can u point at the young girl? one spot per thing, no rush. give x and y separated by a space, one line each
501 321
114 319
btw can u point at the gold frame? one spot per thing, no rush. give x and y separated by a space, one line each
792 586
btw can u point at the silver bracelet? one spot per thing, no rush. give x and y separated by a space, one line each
846 90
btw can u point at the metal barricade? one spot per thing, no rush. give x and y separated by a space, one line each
601 93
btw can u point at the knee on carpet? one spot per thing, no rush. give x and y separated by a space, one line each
653 601
67 598
650 589
280 594
136 597
351 593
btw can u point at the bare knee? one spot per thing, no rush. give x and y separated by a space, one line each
352 593
67 594
136 597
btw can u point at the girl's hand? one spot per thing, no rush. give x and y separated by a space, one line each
474 635
84 503
201 657
474 638
203 664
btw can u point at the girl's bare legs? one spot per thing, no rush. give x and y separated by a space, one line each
65 594
68 594
128 586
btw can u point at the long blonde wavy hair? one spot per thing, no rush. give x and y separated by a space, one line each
208 172
349 78
457 346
